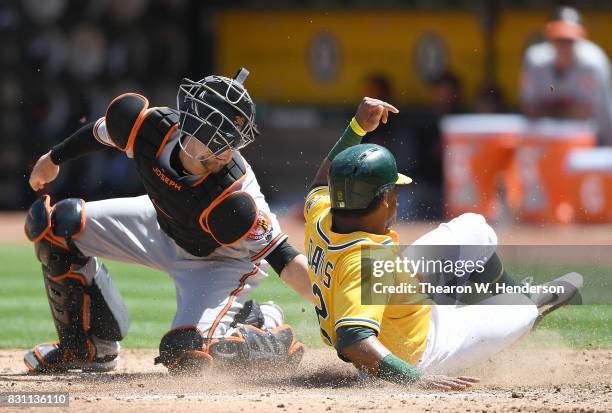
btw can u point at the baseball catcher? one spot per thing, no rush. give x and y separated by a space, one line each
203 220
352 205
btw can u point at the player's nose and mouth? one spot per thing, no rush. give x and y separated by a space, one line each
220 145
201 152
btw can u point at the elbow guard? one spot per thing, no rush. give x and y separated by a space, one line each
123 119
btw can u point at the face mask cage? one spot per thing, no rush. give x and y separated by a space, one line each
218 113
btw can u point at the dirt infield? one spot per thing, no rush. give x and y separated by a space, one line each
555 379
523 380
11 227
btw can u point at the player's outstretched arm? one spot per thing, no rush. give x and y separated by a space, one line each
292 267
295 275
44 171
47 167
371 356
370 113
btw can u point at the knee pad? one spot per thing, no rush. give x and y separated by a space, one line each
62 222
83 299
52 230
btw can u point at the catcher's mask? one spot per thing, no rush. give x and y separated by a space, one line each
217 112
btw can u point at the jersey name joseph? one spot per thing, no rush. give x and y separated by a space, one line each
183 202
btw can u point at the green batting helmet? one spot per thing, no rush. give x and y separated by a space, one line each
359 173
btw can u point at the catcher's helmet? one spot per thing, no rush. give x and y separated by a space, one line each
218 112
359 173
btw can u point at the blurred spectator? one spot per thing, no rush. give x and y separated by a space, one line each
378 86
445 97
396 136
490 99
446 94
57 75
568 76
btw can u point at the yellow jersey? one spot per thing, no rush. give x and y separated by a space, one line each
334 269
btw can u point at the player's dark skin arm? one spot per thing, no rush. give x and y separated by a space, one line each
368 354
370 113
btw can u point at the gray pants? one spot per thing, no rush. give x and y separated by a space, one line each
209 290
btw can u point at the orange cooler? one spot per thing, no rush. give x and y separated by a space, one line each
590 183
478 153
541 161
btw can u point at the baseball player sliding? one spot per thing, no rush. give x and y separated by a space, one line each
352 205
204 221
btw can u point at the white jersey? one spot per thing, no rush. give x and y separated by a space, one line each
586 83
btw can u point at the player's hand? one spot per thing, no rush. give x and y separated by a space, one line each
371 112
44 171
440 382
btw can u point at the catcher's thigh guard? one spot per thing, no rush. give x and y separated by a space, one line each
84 301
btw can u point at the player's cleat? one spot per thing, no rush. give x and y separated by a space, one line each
547 302
52 358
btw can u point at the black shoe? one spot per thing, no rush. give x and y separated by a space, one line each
547 302
51 358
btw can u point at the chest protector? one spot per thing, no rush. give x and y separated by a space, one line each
199 216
